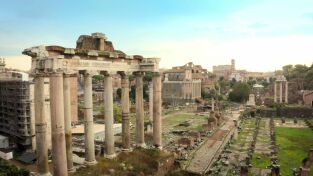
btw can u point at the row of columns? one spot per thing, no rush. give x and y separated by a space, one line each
61 119
191 89
281 91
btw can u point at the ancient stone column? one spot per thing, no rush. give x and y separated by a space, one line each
109 119
157 110
275 92
286 92
150 106
90 158
280 92
67 122
125 113
57 125
41 127
140 135
212 101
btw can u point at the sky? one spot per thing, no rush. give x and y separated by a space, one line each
260 35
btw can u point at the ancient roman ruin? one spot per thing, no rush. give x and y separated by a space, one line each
93 55
283 83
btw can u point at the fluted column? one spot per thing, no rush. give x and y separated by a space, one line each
67 121
140 136
90 158
280 92
157 110
286 92
57 125
275 92
41 127
125 113
109 119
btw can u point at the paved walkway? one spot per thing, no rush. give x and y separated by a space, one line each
212 147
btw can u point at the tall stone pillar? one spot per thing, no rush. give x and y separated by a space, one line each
140 135
57 125
90 158
41 127
286 92
109 119
125 113
151 105
275 92
280 92
67 122
157 110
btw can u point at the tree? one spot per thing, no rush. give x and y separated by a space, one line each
240 92
308 79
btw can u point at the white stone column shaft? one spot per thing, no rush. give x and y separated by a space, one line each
275 92
140 135
68 121
109 119
150 105
125 113
41 127
157 110
90 158
280 92
57 125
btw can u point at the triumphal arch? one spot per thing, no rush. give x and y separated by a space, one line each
93 54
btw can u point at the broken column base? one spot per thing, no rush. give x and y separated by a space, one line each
71 170
141 145
90 163
304 171
109 156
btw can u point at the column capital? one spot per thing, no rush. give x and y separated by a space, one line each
88 72
124 74
138 73
157 74
107 73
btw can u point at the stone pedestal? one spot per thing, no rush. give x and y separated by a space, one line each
244 170
157 106
41 127
57 125
89 131
109 119
140 135
67 122
125 113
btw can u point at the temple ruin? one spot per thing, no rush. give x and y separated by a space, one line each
93 55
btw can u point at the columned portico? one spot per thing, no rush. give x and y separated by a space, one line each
89 131
140 135
57 124
86 59
157 109
286 92
109 119
41 127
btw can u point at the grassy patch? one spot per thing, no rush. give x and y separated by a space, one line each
260 160
140 161
294 144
